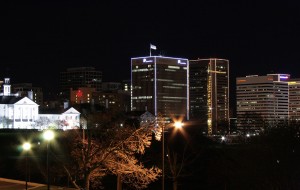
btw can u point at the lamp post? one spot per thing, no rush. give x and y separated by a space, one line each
26 147
48 136
177 125
163 156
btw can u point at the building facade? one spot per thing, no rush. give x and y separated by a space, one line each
82 95
21 112
115 101
160 85
294 101
68 119
262 101
27 90
79 77
209 93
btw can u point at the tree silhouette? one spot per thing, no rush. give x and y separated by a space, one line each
110 149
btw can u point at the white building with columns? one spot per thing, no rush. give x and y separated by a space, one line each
22 113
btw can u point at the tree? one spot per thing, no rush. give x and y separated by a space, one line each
110 150
180 157
46 123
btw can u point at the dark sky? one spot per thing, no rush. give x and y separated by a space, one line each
39 39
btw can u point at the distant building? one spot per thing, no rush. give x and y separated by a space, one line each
126 86
209 93
262 101
114 100
27 90
160 85
117 101
111 86
79 77
82 95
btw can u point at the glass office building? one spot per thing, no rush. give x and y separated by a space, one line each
160 85
209 93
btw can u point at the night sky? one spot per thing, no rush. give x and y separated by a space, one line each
39 39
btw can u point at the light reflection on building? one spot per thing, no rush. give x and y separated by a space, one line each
209 93
160 85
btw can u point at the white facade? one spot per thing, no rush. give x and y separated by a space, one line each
17 113
69 119
23 113
262 101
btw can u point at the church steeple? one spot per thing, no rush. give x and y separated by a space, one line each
6 87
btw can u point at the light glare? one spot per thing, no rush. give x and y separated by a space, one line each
26 146
48 135
178 124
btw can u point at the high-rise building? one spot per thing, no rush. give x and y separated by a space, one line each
294 101
160 85
262 101
79 77
209 93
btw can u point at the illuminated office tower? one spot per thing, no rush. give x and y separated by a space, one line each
209 93
294 101
160 85
262 101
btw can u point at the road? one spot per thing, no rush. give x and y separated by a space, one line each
10 184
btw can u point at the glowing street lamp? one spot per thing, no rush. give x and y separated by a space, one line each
48 136
26 147
178 125
223 138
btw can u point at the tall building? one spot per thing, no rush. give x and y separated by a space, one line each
79 77
209 93
160 85
262 101
294 101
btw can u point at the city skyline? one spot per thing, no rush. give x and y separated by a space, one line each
42 39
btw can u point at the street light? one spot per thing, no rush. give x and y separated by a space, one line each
26 147
223 138
48 136
177 125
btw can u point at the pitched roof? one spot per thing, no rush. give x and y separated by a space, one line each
71 111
